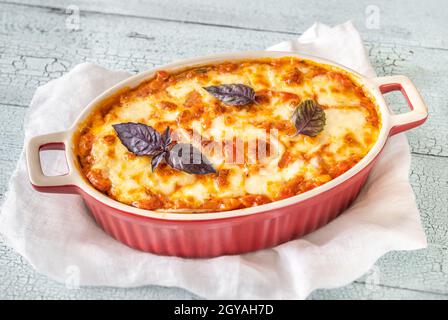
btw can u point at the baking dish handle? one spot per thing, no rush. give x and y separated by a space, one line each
419 111
39 181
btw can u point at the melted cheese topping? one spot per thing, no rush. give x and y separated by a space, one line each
284 165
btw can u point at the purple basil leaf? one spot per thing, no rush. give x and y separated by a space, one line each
156 160
140 139
185 157
166 137
309 118
232 94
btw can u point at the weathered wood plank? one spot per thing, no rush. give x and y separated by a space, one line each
18 280
36 47
399 21
425 269
359 291
11 135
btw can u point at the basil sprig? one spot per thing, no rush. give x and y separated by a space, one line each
144 140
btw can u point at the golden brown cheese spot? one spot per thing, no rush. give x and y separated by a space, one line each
343 81
151 203
254 165
109 139
98 180
167 105
342 166
85 144
315 71
293 187
160 82
227 67
294 77
129 156
111 153
194 100
222 178
263 97
285 160
351 140
253 200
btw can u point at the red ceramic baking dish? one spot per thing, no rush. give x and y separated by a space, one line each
230 232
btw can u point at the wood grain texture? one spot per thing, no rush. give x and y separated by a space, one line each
408 22
36 46
361 291
424 270
19 281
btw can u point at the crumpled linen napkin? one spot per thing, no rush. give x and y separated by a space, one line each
56 234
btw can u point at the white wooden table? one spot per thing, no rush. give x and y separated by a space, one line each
39 41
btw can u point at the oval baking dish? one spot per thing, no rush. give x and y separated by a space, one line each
225 232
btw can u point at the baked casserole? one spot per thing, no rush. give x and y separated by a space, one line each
267 129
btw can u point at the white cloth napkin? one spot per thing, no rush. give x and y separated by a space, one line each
58 237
